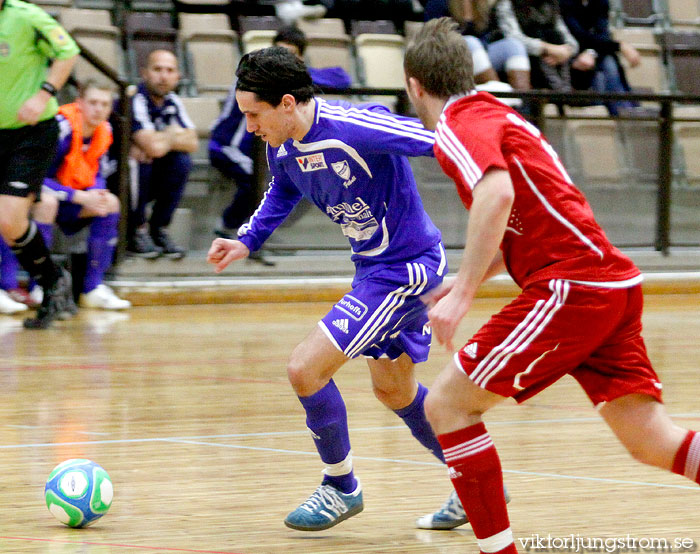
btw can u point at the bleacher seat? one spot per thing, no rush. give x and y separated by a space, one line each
256 39
94 31
688 138
148 31
642 36
411 29
258 23
330 51
96 4
650 74
203 22
381 59
640 12
213 57
166 6
684 14
594 146
323 26
683 52
376 27
50 5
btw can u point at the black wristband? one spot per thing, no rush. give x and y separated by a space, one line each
48 87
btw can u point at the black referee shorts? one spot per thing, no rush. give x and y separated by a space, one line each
25 156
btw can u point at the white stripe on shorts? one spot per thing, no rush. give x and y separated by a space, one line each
417 281
527 330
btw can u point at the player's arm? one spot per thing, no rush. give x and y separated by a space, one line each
376 129
493 199
64 52
277 203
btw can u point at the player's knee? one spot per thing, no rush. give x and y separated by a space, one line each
301 379
393 396
46 209
643 451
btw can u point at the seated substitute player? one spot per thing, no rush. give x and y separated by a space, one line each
163 137
36 58
579 312
350 162
75 192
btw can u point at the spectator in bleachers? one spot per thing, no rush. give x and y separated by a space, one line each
163 136
231 145
75 194
492 54
538 24
597 66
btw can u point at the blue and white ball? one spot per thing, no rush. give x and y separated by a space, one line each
78 492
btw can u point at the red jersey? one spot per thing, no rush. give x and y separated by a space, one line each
552 232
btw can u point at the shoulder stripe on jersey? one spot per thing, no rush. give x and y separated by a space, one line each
380 125
389 118
64 127
181 111
583 238
417 281
448 148
459 149
140 109
520 338
334 143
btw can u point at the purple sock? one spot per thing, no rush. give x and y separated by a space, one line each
413 415
101 244
46 230
327 419
9 266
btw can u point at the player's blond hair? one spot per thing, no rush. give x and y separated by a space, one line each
438 57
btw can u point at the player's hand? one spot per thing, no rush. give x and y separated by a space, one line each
585 61
94 201
31 110
631 54
446 315
225 251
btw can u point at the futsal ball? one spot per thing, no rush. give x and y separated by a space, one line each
78 492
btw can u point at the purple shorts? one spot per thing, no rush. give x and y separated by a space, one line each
383 315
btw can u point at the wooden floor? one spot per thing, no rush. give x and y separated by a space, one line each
189 410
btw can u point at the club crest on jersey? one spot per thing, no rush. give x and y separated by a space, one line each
312 162
342 170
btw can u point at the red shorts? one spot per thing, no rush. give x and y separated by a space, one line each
561 327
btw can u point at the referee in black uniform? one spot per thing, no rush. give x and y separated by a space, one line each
36 58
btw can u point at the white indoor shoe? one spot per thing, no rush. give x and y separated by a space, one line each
9 306
103 298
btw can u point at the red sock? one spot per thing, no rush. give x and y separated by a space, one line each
475 470
687 460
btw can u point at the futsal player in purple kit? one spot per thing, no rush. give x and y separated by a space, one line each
349 161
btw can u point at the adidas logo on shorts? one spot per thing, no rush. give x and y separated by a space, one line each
341 324
470 350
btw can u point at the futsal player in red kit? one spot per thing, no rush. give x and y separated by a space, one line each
579 312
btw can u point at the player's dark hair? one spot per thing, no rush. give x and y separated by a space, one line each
439 58
271 73
292 35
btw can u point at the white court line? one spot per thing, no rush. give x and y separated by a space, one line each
438 464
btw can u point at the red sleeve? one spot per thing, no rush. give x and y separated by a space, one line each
473 141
